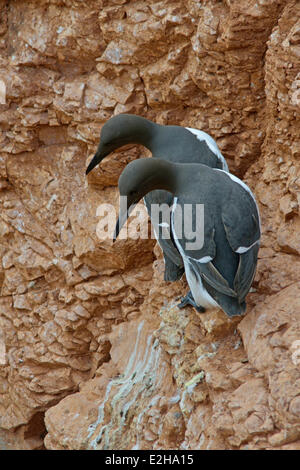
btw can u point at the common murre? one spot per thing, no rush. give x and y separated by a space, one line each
172 143
220 272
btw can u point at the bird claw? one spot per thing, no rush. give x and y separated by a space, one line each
188 300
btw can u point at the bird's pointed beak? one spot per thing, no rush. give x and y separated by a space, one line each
92 164
97 158
117 230
126 207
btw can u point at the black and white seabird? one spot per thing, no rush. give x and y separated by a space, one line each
220 273
172 143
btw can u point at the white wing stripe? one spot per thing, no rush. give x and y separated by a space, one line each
244 249
210 143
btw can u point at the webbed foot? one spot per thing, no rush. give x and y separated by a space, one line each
189 300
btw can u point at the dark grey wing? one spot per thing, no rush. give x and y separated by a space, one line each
213 277
241 222
246 272
201 258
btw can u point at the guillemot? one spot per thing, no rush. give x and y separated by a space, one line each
220 271
171 143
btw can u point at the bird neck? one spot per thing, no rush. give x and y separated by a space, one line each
164 177
144 132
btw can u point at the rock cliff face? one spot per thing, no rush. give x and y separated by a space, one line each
94 353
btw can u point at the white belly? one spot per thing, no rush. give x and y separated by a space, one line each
200 294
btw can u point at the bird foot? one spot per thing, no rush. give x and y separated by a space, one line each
188 300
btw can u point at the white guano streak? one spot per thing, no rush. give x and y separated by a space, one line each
140 365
